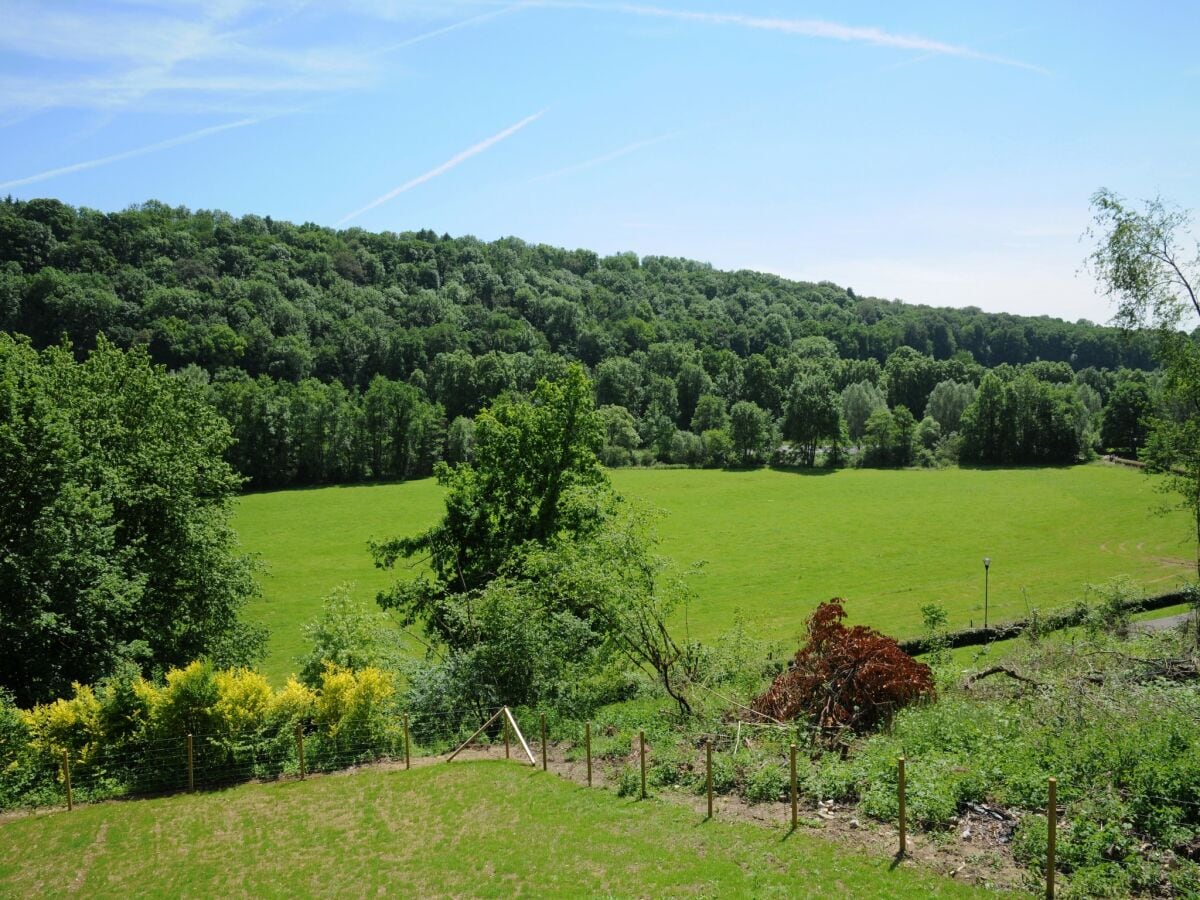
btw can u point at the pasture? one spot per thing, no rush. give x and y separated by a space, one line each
774 543
468 829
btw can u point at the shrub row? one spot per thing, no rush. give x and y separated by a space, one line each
129 735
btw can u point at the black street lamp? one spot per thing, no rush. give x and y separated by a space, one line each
987 564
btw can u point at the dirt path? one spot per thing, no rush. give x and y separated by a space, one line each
1164 624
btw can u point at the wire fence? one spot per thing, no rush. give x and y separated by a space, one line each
206 761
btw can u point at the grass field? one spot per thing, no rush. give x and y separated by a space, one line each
470 829
777 543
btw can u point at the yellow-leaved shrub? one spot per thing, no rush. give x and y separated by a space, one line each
130 734
355 707
67 725
292 704
243 701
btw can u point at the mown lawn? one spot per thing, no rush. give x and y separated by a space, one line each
467 829
777 543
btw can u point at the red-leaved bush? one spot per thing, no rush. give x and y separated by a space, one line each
845 677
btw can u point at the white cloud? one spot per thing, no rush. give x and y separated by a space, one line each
454 161
182 57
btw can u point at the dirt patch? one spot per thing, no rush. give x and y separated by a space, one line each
95 848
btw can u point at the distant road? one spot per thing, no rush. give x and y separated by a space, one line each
1163 624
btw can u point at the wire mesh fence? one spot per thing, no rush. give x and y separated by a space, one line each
701 761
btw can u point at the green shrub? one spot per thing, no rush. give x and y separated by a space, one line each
629 782
1184 878
1030 840
828 778
724 775
665 768
767 783
1105 879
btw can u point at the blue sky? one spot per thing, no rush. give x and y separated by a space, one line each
940 153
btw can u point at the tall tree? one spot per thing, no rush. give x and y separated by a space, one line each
750 430
813 415
947 402
536 479
859 400
1143 260
1124 426
114 521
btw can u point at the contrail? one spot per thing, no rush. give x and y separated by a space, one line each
817 28
474 20
607 157
449 164
129 154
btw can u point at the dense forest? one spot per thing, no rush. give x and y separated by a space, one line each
349 355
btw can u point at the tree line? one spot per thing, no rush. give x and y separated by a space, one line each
347 355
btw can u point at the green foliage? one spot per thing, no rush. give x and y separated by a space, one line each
347 634
726 774
1173 443
341 356
460 441
947 402
767 783
629 782
1124 427
1123 748
539 575
114 507
128 735
536 480
859 401
1021 421
1142 261
813 415
888 438
750 431
665 768
718 447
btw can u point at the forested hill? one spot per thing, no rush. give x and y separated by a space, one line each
298 300
453 322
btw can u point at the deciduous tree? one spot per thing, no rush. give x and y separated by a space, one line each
115 542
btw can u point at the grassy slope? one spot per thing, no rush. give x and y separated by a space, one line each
776 543
479 829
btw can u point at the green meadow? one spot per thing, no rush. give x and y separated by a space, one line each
479 829
774 544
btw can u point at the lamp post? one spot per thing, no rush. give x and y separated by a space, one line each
987 564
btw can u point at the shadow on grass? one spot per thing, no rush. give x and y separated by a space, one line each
299 488
1018 467
798 470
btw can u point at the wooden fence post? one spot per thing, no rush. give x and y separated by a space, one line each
191 765
543 742
67 780
795 814
708 773
642 743
903 816
1051 829
587 741
507 755
300 749
407 752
